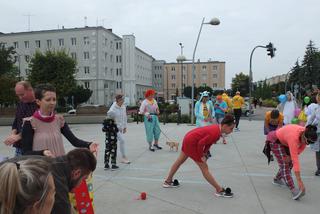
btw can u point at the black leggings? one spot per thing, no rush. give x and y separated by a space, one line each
237 115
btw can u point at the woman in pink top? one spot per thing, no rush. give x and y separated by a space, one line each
196 145
286 144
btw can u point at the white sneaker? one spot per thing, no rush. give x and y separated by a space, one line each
125 161
297 193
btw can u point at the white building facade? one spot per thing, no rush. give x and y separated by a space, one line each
106 63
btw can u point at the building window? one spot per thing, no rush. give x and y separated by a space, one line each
27 71
26 44
120 71
117 72
106 85
86 69
118 59
16 45
49 43
73 41
155 76
215 67
173 77
173 85
38 43
86 55
27 58
61 42
215 76
74 55
111 45
215 85
118 45
87 85
105 55
120 84
173 68
86 40
105 42
204 67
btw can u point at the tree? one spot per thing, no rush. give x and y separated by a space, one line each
54 67
308 73
80 95
188 90
6 60
7 93
8 75
311 64
240 83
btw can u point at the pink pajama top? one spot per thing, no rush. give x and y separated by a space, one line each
289 136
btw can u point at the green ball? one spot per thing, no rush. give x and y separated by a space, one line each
295 121
306 99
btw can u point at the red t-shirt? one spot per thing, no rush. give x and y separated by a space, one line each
198 141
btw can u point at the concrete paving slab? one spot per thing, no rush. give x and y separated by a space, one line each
239 164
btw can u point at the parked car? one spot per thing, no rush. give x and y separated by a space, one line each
72 111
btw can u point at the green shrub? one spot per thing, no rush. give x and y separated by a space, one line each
269 103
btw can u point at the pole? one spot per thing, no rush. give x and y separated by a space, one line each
19 66
167 83
285 84
193 73
181 69
250 79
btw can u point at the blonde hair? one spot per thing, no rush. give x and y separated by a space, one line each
22 184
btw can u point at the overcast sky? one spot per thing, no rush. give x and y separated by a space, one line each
159 26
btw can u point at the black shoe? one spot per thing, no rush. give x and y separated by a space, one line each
114 167
106 166
317 173
151 148
157 146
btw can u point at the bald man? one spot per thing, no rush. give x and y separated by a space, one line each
25 108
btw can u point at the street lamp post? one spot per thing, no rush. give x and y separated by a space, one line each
214 21
181 46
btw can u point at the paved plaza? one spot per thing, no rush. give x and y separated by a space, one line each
240 164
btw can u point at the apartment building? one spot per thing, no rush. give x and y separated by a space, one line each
179 75
107 64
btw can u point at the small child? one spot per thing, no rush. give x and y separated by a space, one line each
111 130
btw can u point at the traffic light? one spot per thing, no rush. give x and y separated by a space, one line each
271 50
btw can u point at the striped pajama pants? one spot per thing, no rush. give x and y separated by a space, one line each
285 167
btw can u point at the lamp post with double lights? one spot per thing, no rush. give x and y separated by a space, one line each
214 21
